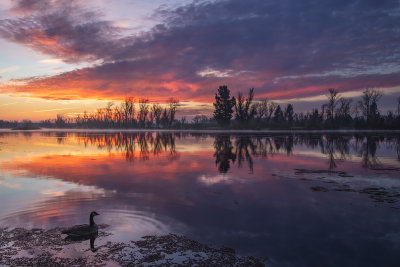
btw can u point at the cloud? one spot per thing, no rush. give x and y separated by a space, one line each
9 69
284 49
62 29
51 61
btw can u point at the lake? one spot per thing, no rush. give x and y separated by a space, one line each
304 199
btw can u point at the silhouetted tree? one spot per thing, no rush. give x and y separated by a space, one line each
333 100
263 113
244 111
172 105
156 110
128 109
223 106
143 111
344 107
343 112
60 121
261 109
200 121
278 116
314 119
271 109
368 105
289 114
165 118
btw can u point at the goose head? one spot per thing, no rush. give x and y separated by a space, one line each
92 214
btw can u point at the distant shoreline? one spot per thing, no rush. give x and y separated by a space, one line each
25 128
232 131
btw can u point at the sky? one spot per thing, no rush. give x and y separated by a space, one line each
68 56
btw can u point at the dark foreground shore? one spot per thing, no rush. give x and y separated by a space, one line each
37 247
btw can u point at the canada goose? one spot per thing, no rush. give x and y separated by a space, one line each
84 230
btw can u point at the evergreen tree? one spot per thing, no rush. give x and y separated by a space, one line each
289 113
223 106
278 116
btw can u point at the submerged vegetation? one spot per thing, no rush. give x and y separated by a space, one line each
243 112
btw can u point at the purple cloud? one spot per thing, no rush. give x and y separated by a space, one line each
283 48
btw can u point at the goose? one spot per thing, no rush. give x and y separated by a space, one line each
84 230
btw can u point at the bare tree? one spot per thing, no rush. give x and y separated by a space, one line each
368 105
271 108
118 116
200 119
244 111
108 116
143 111
261 109
128 108
173 105
344 107
156 110
333 100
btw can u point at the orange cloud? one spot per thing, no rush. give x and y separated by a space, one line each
115 82
194 50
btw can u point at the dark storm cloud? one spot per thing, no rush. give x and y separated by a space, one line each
34 5
61 29
288 37
283 48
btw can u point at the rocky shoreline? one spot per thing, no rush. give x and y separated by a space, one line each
38 247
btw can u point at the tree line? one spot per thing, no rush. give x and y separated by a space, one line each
241 112
337 113
129 114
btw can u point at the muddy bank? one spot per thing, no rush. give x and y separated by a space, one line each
38 247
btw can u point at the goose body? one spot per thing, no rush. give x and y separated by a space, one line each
83 230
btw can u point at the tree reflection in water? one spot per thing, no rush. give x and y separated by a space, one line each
367 146
246 147
240 149
135 145
223 153
337 147
398 148
332 145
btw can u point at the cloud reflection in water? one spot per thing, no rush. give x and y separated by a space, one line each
235 190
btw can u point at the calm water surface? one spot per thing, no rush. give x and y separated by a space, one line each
303 200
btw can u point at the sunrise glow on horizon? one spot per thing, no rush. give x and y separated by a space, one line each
67 57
